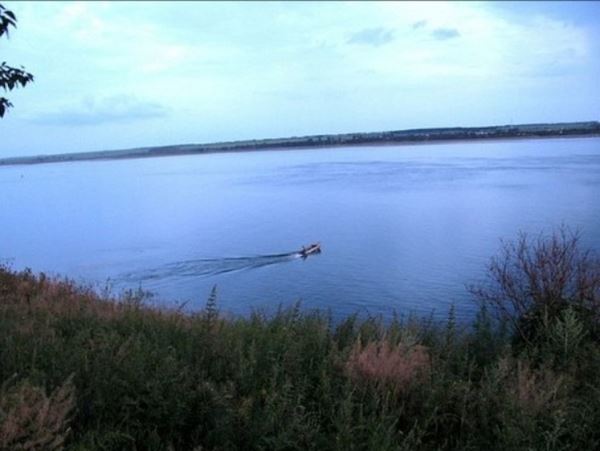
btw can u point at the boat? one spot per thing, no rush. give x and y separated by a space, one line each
314 248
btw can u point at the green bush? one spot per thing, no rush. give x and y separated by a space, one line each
136 377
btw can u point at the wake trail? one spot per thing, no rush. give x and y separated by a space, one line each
208 267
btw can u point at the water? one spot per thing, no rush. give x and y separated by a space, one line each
403 228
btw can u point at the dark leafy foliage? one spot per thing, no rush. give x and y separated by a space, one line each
7 20
10 77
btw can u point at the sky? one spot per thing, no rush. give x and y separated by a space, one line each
117 75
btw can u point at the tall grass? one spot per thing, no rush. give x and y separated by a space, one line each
84 372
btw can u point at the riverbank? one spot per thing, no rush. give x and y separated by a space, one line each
416 136
83 372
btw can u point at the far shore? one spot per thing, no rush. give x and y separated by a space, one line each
389 138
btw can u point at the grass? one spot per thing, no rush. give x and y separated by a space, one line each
83 372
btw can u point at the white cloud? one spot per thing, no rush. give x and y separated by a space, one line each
442 34
372 36
489 45
92 111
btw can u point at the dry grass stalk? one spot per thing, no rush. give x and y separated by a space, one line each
533 390
61 298
39 294
384 363
30 420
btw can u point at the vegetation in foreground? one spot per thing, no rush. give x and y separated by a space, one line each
81 372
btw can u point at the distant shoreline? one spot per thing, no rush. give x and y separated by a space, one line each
399 137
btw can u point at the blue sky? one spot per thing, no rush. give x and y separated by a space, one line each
128 74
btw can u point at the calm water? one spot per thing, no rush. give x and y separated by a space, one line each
403 228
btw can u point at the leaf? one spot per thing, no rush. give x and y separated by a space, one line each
10 14
10 77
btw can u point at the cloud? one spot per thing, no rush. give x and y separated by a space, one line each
372 36
443 34
121 108
440 33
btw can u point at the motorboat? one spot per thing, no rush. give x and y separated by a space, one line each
314 248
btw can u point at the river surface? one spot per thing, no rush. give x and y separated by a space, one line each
403 228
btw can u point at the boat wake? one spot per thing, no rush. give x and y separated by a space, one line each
208 267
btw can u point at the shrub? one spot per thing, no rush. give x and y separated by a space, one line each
532 281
